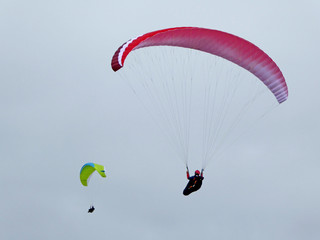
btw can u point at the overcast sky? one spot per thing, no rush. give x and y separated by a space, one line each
62 106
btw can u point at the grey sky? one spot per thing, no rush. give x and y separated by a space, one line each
62 105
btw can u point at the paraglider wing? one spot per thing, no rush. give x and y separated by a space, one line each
225 45
88 169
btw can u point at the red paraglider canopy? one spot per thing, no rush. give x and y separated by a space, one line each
225 45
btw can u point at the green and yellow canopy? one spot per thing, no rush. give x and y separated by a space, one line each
88 169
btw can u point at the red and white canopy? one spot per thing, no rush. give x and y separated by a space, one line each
225 45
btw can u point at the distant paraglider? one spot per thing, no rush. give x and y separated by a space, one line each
85 173
91 209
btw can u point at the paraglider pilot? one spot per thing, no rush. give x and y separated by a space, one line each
91 209
194 183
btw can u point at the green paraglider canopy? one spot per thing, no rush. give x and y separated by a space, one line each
88 169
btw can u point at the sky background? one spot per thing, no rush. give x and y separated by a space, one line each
62 106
